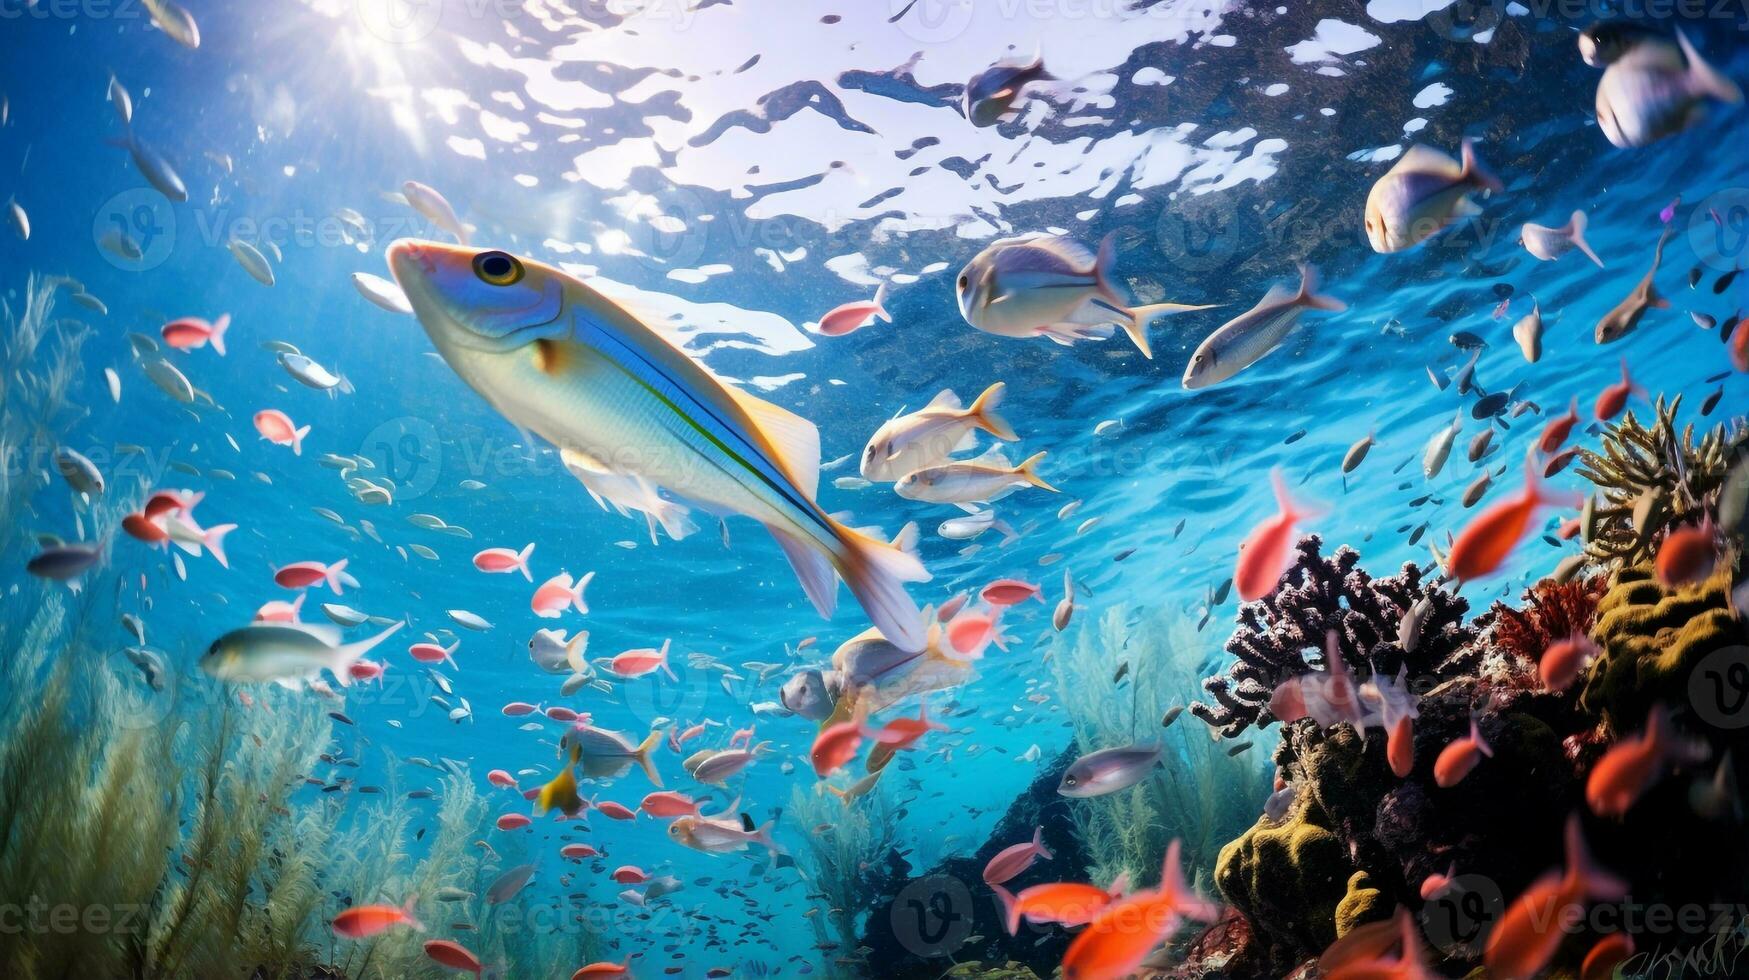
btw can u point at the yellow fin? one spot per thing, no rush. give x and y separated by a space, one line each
793 439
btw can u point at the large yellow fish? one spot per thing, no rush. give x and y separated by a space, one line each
564 362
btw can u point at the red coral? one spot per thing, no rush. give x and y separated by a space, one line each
1552 611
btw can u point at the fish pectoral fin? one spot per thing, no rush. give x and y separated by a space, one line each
794 440
551 358
813 568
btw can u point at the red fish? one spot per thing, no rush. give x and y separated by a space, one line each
1556 432
363 921
276 427
1122 935
666 804
1633 764
1687 555
1534 926
1067 903
303 574
604 971
1614 398
1016 858
1265 553
902 733
1010 592
192 332
503 560
513 821
837 744
451 954
1610 952
1457 759
1563 660
1486 541
431 653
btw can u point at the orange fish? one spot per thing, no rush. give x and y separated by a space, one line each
1532 929
1436 883
1687 555
1122 935
1633 764
363 921
1264 554
1067 903
1457 759
1487 540
1400 747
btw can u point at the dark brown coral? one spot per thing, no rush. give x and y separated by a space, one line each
1276 634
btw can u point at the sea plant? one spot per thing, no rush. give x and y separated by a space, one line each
1652 478
845 844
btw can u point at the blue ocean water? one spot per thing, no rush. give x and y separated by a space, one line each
744 167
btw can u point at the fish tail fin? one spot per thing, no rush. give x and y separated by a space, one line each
348 654
298 440
1105 268
1038 842
1028 471
762 837
1576 234
576 590
880 303
407 908
983 413
1482 745
876 573
666 669
522 561
1583 871
643 756
217 337
574 647
1704 79
449 654
1310 297
1475 171
213 539
332 575
1010 909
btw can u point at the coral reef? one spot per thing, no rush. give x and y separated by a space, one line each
1651 479
1035 949
1319 594
1650 639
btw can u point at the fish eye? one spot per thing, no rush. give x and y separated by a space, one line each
497 268
964 281
1070 781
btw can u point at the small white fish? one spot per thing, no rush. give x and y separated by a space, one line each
428 202
1439 447
121 100
20 220
1652 91
308 373
1549 244
985 479
930 435
461 617
1528 331
176 23
252 261
114 382
382 292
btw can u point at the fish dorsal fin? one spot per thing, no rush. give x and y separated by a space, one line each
993 457
794 441
1072 252
946 400
1427 160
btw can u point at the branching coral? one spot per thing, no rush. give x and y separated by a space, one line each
1516 638
1319 594
1201 794
1651 479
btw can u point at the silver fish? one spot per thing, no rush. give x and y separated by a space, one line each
286 653
252 261
1549 244
1652 91
1423 193
158 171
1109 770
1528 331
79 472
1248 337
508 884
1439 447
